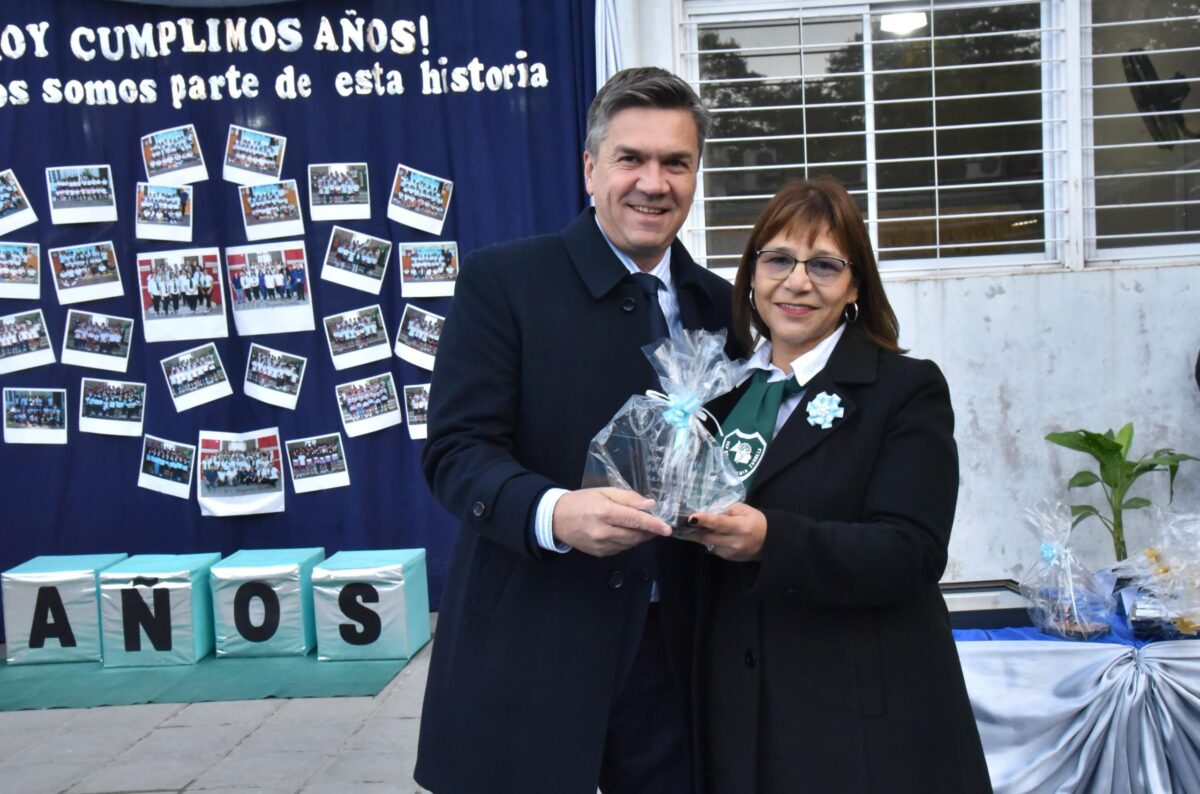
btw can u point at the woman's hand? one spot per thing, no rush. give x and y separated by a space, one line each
736 535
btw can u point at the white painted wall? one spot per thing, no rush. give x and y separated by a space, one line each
1034 353
1027 354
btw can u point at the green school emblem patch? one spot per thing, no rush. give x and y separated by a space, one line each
745 450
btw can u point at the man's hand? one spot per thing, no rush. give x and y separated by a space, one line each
604 521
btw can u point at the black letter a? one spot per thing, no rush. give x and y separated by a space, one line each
49 605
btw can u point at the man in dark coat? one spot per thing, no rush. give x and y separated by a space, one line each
563 643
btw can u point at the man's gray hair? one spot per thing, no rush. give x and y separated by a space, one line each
643 87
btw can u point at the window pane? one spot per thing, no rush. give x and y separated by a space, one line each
920 64
1157 135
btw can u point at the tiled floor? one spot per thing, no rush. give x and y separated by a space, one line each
335 745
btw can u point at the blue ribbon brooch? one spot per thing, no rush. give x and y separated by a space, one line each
823 409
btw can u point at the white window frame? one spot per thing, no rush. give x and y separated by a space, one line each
1067 137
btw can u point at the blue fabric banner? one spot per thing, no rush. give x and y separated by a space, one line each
490 96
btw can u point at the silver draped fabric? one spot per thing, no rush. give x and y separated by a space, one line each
1087 717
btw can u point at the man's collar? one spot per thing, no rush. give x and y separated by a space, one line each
661 271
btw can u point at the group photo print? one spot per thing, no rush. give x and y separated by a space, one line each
268 283
419 200
163 212
253 157
318 463
417 337
339 192
416 409
196 376
111 407
166 466
368 404
271 210
274 376
24 341
97 341
173 157
85 272
356 337
240 473
356 259
181 295
428 270
20 270
15 210
35 416
81 194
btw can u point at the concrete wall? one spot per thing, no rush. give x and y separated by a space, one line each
1027 354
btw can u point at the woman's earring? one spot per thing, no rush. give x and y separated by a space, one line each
753 308
851 318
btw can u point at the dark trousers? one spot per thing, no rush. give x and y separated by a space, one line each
648 747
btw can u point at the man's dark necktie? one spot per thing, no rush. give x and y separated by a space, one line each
658 321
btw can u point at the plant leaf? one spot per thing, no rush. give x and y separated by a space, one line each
1080 512
1082 479
1103 449
1136 503
1125 439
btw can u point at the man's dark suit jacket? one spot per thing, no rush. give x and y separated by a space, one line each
541 347
829 666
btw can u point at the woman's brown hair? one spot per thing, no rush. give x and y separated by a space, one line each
805 208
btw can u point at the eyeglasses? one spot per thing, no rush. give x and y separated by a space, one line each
778 265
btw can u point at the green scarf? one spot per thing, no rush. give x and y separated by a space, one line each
751 424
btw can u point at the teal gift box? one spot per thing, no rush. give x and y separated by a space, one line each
52 608
262 602
371 604
156 609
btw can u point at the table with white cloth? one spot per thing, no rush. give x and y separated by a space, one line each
1103 717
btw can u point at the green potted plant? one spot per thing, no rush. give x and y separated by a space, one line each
1116 476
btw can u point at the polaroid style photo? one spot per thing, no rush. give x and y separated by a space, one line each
318 463
20 271
368 405
163 212
253 157
85 272
182 295
419 200
35 416
274 376
166 466
428 270
416 410
356 260
195 377
81 194
356 337
417 337
24 341
338 192
268 283
239 474
271 210
111 407
15 210
173 157
97 341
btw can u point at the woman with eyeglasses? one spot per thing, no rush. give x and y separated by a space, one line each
826 662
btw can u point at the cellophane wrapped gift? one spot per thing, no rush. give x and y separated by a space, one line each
1064 598
1164 601
657 443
